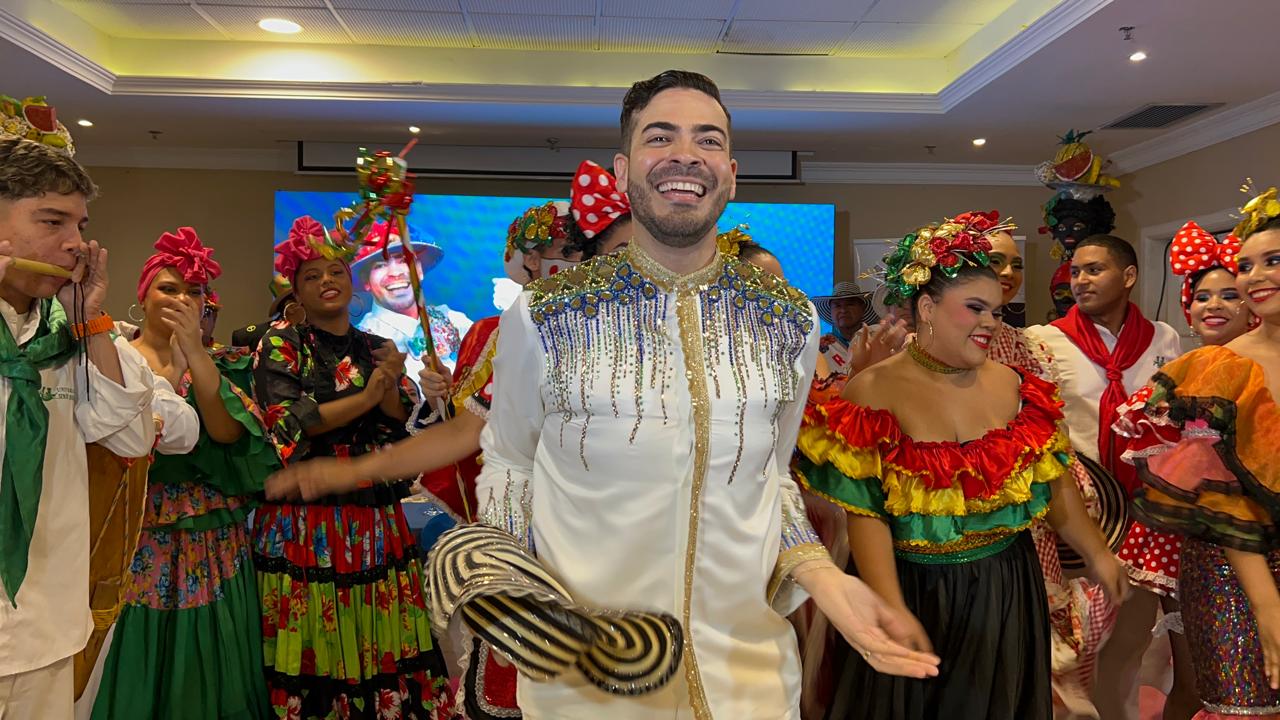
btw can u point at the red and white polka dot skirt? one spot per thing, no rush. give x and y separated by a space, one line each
1152 558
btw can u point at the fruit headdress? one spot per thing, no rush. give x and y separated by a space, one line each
34 119
1076 167
1076 173
962 240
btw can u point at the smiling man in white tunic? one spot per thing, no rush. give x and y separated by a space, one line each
646 409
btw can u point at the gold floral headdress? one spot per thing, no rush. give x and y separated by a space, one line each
944 248
1257 212
536 228
730 241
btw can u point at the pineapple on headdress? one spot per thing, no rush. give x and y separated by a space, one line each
1076 166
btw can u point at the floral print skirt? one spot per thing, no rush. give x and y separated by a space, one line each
344 618
187 642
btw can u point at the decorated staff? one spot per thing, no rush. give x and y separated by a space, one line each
386 195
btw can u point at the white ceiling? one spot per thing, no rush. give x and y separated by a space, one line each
1199 52
840 28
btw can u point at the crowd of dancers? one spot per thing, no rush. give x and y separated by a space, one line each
651 461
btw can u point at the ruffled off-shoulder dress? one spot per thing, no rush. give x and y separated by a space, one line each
959 514
1206 450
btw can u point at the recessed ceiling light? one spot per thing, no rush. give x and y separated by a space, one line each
1138 57
84 123
280 26
415 129
979 142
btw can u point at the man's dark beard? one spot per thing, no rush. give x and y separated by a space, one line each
681 229
396 305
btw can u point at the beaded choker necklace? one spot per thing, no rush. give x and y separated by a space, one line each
929 362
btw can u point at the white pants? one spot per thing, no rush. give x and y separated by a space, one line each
41 694
84 706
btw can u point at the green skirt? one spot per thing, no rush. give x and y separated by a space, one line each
200 659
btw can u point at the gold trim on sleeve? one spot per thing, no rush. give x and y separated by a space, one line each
789 560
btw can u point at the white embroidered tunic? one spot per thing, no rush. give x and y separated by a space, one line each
640 441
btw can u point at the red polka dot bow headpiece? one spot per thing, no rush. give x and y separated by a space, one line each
595 199
1195 249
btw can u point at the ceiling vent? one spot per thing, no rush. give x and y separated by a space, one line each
773 54
1158 116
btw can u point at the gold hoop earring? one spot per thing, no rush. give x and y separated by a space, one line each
294 306
137 320
928 324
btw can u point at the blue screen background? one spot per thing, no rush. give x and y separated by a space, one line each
472 232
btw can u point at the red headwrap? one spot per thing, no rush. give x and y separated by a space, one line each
185 254
1195 249
595 199
305 239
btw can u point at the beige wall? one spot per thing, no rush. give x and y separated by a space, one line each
233 212
1154 201
1200 183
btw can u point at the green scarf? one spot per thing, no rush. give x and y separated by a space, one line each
26 429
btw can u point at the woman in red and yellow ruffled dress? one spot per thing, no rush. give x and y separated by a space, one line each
1206 452
939 503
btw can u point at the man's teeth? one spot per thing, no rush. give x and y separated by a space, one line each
699 190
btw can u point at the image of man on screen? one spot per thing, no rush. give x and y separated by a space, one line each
390 311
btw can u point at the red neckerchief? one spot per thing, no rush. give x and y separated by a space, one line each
1135 338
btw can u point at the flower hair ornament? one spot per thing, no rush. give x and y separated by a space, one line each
183 252
1195 249
536 229
309 240
943 248
1257 212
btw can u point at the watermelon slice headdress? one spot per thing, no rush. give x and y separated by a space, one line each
34 119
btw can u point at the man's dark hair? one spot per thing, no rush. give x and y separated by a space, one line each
1121 251
643 92
31 169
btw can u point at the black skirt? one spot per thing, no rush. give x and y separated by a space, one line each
988 620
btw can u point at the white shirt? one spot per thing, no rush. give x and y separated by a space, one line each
1081 381
178 422
640 440
401 329
52 620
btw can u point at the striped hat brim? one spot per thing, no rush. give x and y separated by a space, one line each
504 595
1113 513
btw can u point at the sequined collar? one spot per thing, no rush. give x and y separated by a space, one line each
665 279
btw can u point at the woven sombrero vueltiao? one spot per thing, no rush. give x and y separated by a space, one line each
483 576
822 303
1113 513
